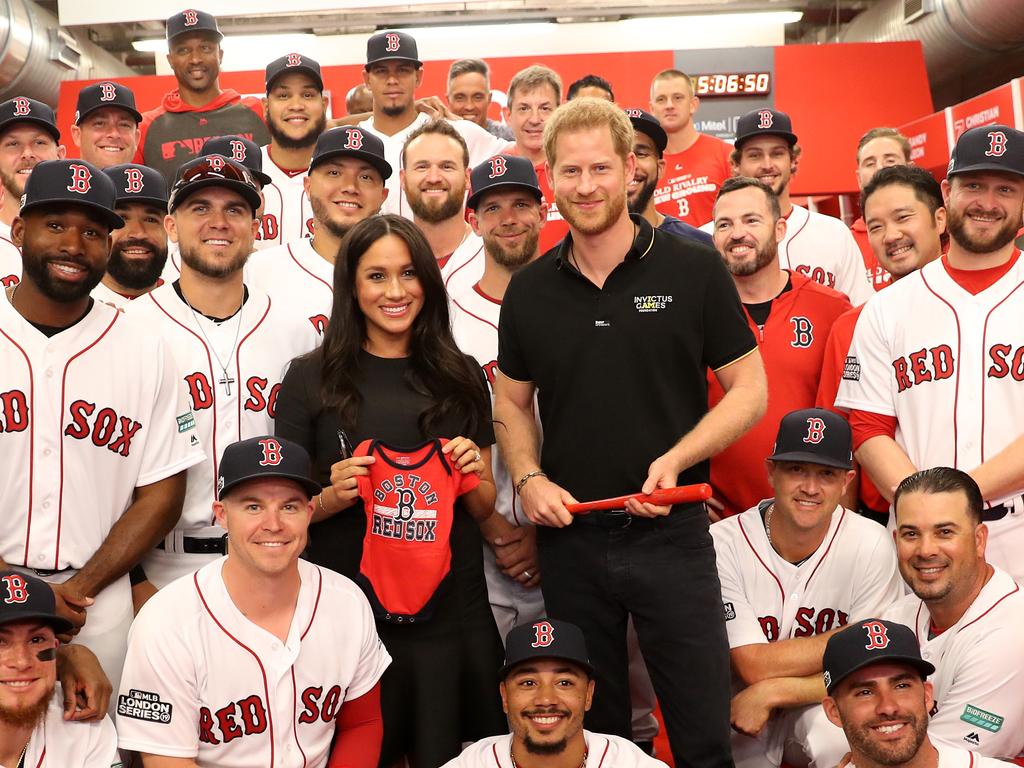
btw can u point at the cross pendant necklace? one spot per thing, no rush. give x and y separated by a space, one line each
227 381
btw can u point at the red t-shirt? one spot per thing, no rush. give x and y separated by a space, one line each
409 497
792 345
692 177
878 276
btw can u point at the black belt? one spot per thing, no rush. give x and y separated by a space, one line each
996 513
620 518
196 545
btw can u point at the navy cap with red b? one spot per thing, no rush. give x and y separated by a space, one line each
108 94
391 45
649 125
502 172
996 148
764 122
21 109
134 183
814 436
191 20
24 597
240 150
351 141
60 182
545 639
293 62
871 641
265 457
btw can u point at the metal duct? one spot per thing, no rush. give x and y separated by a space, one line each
36 54
956 36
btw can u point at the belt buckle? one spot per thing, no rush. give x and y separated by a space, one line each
614 515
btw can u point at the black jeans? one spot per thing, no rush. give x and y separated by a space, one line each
663 573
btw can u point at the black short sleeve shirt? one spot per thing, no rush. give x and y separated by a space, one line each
621 370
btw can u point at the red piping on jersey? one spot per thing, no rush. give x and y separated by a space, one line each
494 751
243 646
480 291
238 366
984 346
316 603
214 457
473 314
315 277
63 387
41 757
956 386
466 263
31 436
917 620
604 754
295 714
831 541
793 237
762 562
289 172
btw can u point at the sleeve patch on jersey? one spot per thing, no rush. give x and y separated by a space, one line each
144 705
730 612
851 369
186 422
981 718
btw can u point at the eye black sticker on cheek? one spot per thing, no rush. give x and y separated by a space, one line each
47 654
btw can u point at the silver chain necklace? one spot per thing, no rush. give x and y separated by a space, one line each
227 381
768 523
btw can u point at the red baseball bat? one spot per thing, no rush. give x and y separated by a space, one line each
680 494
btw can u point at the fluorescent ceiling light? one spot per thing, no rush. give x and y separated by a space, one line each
757 18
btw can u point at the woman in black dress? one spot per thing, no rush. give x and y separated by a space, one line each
389 370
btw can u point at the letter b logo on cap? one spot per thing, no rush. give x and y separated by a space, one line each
498 167
393 42
815 431
543 634
22 107
271 453
765 119
191 18
133 181
354 139
996 144
81 179
878 635
17 589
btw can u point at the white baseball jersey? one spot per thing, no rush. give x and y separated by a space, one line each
961 758
201 681
10 258
474 318
255 346
603 751
60 743
287 214
948 365
102 293
466 261
481 144
87 416
822 248
295 276
979 668
852 575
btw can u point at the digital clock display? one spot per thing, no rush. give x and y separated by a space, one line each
734 84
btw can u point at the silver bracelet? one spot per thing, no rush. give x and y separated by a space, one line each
527 476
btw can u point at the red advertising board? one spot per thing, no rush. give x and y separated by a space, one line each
995 106
929 142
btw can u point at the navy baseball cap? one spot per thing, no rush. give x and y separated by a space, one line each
502 171
263 457
871 641
108 94
214 171
351 141
649 125
988 148
28 598
62 182
815 436
764 122
391 45
22 109
134 183
545 639
294 62
191 20
240 150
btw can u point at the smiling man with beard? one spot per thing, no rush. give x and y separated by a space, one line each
547 684
32 724
138 251
649 148
790 315
879 695
435 177
230 343
933 376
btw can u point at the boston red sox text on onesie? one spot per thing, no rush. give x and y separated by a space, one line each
409 497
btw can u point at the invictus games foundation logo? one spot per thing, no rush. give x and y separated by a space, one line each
651 303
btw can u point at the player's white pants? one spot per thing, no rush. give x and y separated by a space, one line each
803 737
163 567
107 621
511 603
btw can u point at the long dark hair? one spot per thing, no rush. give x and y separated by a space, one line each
437 370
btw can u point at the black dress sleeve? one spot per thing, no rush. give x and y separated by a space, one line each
298 404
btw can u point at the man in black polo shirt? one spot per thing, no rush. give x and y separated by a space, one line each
622 388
